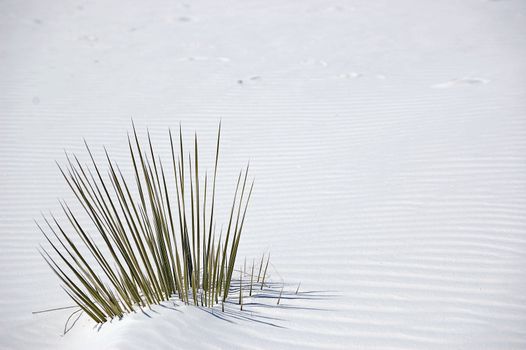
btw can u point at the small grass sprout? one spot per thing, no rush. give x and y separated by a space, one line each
265 272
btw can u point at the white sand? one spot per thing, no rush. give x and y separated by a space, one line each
388 141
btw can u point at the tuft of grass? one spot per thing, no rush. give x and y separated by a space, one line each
260 267
156 241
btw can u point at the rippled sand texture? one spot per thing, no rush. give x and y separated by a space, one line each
388 142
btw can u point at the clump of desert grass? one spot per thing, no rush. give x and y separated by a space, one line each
154 243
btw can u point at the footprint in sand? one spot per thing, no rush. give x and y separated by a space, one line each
313 62
253 78
461 81
204 58
335 9
356 75
351 75
91 39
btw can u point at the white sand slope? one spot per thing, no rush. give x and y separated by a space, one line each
388 142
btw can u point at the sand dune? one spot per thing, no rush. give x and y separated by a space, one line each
387 142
